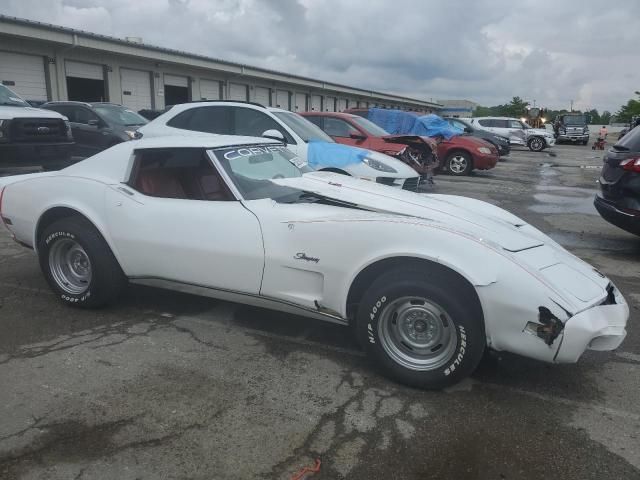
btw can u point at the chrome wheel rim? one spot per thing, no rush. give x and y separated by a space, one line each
536 144
70 266
417 333
458 164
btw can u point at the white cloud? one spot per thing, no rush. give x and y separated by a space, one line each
483 50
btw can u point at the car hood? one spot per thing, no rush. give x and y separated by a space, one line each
468 141
414 140
7 112
480 220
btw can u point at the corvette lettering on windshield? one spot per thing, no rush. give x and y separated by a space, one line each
252 151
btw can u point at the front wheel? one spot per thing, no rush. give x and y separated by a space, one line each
78 263
459 163
420 332
536 144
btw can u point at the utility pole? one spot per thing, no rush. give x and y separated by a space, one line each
571 106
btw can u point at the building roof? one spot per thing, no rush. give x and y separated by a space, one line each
80 38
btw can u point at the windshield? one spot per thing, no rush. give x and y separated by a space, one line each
9 97
120 115
574 120
252 168
306 130
369 126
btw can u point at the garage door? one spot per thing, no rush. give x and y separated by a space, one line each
176 81
282 99
209 89
89 71
136 89
300 102
342 104
316 103
330 104
238 91
262 95
24 74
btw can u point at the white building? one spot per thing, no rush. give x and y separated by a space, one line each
47 62
457 108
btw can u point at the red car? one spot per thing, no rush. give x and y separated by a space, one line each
458 156
417 152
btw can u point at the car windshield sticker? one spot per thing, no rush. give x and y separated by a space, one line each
254 151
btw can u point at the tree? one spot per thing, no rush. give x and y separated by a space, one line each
516 108
595 116
631 109
605 118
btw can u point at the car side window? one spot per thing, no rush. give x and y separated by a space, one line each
83 115
485 123
316 121
252 123
337 128
515 124
58 108
178 173
214 119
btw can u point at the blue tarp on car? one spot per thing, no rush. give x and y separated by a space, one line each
398 122
327 155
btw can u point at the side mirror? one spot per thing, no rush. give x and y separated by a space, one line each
274 135
357 136
93 123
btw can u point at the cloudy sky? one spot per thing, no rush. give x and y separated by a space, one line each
488 51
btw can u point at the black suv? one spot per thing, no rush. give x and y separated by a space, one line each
501 143
619 202
97 126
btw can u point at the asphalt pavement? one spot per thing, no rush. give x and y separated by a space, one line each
166 385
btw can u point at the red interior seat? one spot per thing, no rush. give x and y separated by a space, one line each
160 183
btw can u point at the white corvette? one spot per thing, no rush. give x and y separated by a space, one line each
427 281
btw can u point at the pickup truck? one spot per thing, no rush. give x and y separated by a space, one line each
32 137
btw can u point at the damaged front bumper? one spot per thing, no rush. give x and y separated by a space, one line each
602 328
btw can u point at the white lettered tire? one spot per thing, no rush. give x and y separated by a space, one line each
423 330
78 263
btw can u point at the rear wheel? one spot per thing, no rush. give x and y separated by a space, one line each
78 263
459 163
420 332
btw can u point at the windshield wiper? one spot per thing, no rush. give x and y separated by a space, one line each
13 104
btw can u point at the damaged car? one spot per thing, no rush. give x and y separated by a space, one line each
458 154
428 282
420 153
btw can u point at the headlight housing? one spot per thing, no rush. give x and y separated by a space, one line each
378 165
485 150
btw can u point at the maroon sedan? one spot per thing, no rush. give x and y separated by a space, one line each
458 156
417 152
